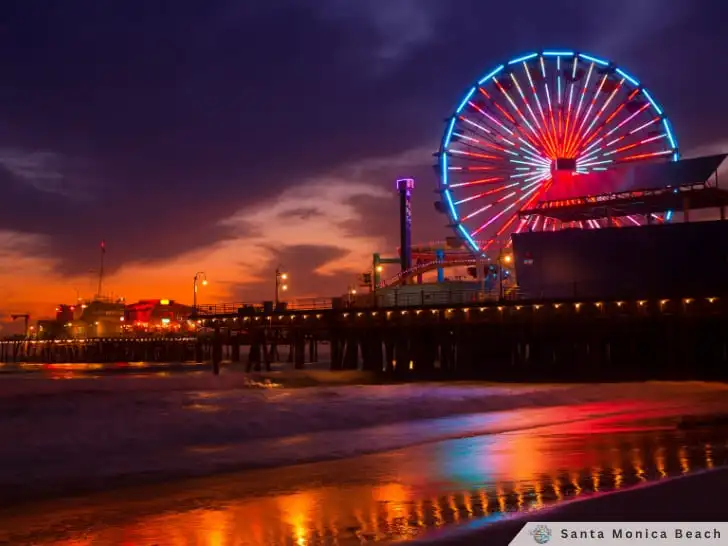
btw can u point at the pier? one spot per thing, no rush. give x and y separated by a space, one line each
461 337
514 340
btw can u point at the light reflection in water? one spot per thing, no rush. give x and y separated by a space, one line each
684 463
638 464
402 508
660 459
596 481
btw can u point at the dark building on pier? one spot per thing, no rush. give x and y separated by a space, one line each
632 262
617 259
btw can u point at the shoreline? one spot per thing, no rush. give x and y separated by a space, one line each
218 463
179 428
656 501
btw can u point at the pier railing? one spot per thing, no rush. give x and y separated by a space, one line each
223 308
427 296
311 304
413 298
303 304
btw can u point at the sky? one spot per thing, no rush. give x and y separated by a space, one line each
233 136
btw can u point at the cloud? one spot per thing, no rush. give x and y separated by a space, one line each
322 230
306 266
399 29
44 171
625 25
715 148
26 280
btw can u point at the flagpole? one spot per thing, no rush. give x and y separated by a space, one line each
101 268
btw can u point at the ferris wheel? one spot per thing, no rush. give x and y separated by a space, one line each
537 121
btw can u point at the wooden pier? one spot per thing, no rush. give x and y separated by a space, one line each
570 340
679 338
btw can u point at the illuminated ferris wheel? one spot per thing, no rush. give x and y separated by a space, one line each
543 120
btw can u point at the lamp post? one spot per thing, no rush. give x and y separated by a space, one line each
507 258
281 283
199 276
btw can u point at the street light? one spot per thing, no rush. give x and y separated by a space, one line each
507 258
351 293
199 276
281 283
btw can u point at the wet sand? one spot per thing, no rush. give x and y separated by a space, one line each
402 494
695 497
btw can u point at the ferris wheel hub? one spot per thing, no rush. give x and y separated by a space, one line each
563 164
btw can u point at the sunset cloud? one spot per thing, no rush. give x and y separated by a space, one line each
324 231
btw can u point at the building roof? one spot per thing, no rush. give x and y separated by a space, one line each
629 203
687 172
640 190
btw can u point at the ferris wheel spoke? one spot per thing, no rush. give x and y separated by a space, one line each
541 133
570 135
477 161
487 115
533 158
481 195
507 224
554 130
520 114
481 181
534 186
635 145
567 121
607 121
515 126
614 130
488 137
524 221
486 149
650 155
535 94
583 141
579 135
630 143
559 98
500 130
492 204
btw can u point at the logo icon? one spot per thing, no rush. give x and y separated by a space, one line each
541 534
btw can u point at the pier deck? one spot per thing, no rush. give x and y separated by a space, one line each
512 340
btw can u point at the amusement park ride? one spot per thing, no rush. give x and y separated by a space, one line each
550 141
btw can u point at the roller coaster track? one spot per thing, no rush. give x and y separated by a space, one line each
420 269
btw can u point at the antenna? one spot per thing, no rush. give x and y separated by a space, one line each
101 268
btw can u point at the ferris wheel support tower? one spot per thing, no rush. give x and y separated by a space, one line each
405 187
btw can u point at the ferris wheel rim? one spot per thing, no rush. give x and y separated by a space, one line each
444 185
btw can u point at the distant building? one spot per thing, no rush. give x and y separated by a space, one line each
49 329
107 318
156 315
103 318
67 313
98 318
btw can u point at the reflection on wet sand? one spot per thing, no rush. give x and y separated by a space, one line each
420 488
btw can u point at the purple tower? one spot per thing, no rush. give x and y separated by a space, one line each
405 187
